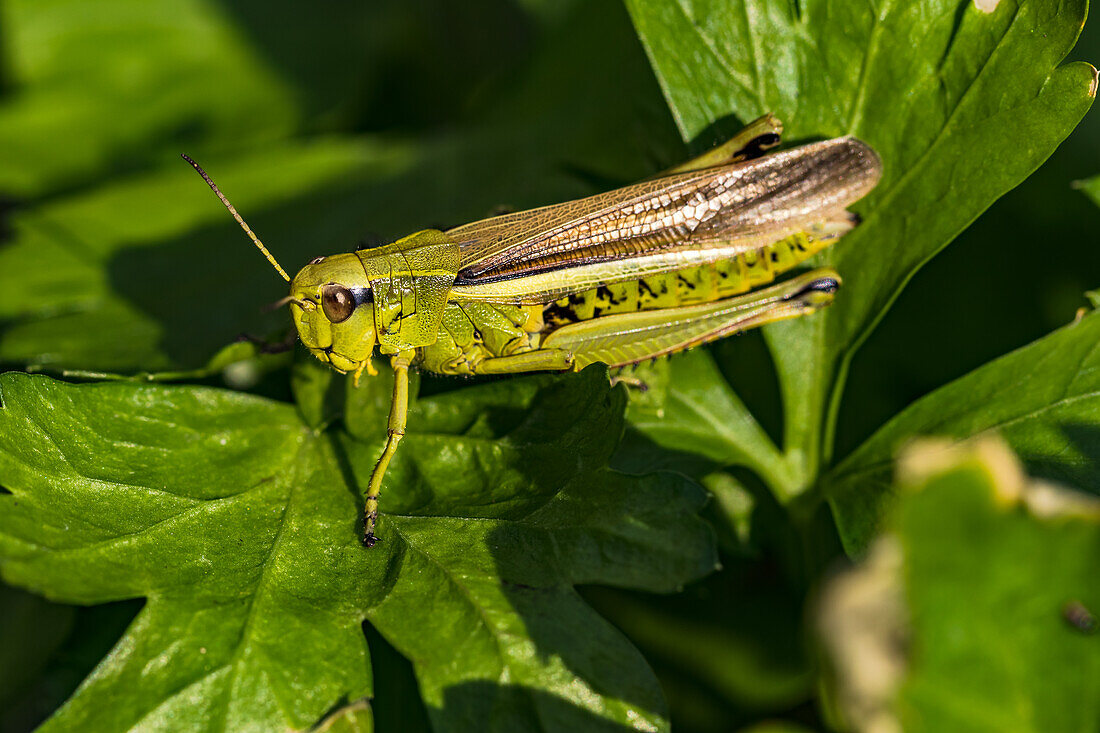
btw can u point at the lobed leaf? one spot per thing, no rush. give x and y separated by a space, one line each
239 524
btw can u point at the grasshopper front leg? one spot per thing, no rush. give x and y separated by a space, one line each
399 412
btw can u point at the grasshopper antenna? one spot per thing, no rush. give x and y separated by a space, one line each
247 230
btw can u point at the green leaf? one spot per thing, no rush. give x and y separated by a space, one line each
960 104
239 524
1019 653
522 439
1044 399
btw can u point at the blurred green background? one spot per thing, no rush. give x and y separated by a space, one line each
327 124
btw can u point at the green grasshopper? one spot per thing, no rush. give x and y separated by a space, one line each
621 277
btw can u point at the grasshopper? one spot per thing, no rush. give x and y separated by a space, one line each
620 277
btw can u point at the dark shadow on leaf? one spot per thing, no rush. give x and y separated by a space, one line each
7 205
397 704
960 13
724 128
1084 474
478 706
638 454
553 416
746 362
93 632
318 412
347 471
563 628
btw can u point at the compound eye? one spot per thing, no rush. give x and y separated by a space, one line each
337 303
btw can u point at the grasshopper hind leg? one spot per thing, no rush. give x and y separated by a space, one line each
629 338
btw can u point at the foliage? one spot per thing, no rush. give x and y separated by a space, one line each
233 512
1044 399
238 523
1028 661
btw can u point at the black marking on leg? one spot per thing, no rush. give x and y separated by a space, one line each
827 285
758 145
369 538
555 314
605 293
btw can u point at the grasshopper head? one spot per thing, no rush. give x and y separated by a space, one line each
332 306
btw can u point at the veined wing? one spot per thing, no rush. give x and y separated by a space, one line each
676 221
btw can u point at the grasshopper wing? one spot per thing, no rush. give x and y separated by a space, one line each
681 220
